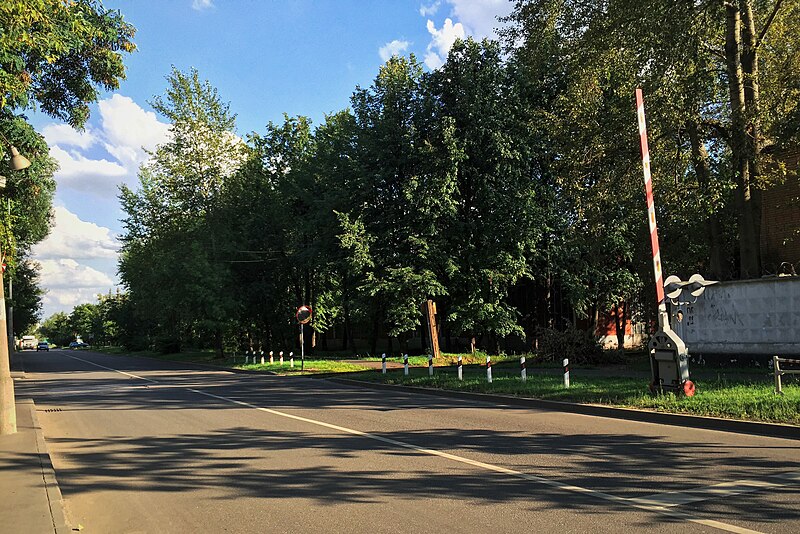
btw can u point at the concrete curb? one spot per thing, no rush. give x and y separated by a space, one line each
54 497
737 426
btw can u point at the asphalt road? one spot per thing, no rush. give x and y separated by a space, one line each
147 446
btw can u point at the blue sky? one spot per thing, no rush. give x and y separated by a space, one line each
266 57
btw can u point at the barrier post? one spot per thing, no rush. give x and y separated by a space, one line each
291 359
460 369
430 364
405 364
383 363
522 370
489 369
566 373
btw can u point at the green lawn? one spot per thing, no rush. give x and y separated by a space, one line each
737 400
444 359
732 393
311 367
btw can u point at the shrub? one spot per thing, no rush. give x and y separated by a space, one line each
577 345
166 344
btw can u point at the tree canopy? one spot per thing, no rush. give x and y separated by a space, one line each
54 56
506 185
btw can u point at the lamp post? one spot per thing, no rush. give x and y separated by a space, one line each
8 410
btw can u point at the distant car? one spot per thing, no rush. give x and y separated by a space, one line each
78 345
43 345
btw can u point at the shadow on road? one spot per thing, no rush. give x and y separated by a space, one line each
274 463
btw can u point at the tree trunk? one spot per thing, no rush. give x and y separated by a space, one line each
749 263
346 312
755 138
620 322
373 338
702 169
218 343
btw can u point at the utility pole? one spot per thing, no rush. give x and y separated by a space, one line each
8 408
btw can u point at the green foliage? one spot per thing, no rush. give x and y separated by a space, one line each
55 53
26 300
506 185
53 56
173 257
57 329
406 163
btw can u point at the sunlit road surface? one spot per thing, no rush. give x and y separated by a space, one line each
148 446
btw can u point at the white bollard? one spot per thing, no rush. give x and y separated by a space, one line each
566 373
489 369
460 369
383 363
246 358
262 357
522 370
405 364
281 357
271 358
291 359
430 364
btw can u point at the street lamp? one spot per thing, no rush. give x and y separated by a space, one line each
8 409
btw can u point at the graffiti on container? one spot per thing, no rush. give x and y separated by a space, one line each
722 312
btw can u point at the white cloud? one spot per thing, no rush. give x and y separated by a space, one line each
98 176
475 18
76 239
68 274
129 130
126 132
62 256
479 17
200 5
441 42
429 11
69 283
66 135
394 48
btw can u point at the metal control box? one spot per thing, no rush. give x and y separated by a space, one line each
669 363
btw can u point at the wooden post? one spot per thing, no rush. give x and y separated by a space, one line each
429 308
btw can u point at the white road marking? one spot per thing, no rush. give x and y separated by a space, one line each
725 489
655 508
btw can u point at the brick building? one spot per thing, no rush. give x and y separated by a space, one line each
780 218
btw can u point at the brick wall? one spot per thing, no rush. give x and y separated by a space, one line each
780 223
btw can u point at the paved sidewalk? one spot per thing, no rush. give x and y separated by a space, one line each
30 500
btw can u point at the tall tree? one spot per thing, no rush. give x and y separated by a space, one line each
490 231
701 65
407 165
172 256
